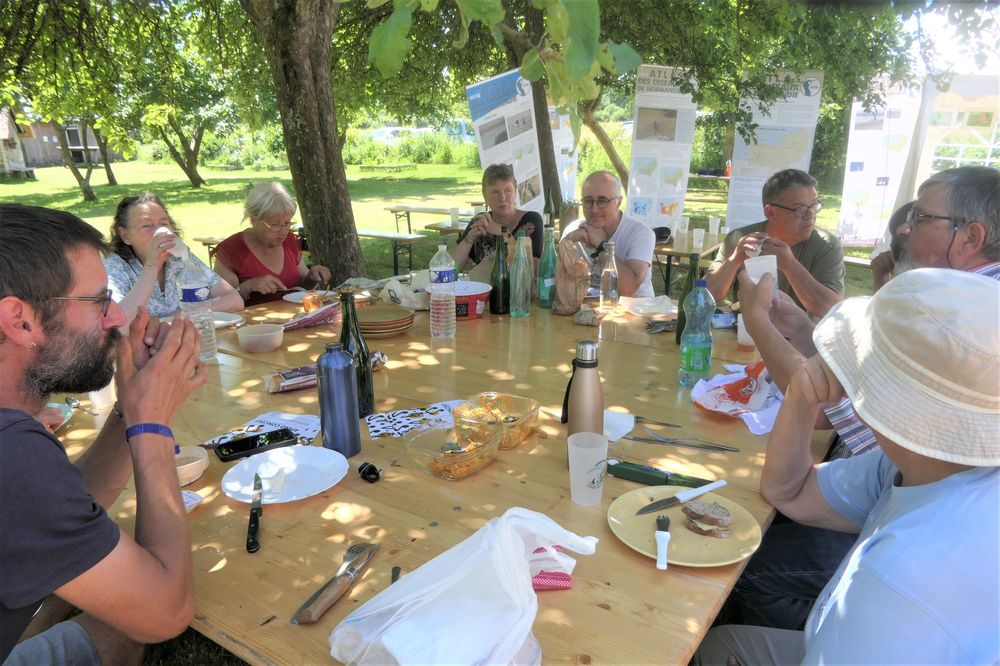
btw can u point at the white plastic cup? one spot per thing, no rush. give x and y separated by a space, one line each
757 266
697 238
476 210
713 226
743 339
723 231
588 452
455 212
685 223
179 250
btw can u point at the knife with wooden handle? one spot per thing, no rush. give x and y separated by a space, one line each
332 590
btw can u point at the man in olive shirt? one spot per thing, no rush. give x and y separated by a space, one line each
810 260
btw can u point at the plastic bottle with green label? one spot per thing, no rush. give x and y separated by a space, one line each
696 340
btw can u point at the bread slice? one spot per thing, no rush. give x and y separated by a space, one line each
708 530
707 513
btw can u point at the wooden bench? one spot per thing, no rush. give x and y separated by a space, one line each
396 168
399 242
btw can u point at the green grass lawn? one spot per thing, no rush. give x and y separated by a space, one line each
217 210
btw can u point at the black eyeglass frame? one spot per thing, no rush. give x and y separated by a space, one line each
800 210
104 300
597 202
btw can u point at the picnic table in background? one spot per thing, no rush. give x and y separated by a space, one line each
665 253
402 212
389 167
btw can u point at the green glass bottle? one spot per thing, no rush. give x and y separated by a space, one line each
689 281
547 271
500 277
355 345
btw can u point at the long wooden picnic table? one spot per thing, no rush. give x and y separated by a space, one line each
620 610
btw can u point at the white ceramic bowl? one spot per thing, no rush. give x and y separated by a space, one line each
192 462
258 338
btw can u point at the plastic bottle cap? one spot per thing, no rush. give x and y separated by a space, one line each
701 282
586 350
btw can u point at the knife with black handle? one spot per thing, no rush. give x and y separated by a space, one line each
255 512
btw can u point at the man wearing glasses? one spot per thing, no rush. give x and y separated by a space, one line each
603 222
59 333
810 259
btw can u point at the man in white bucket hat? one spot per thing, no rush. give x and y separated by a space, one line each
920 362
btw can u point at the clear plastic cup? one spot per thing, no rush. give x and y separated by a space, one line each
743 339
757 266
179 250
697 238
455 213
713 226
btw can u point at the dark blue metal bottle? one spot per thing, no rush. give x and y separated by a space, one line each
338 400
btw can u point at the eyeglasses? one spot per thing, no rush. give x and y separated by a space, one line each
600 202
800 211
104 300
285 226
915 218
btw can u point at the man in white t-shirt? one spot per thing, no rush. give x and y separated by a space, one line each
922 584
603 222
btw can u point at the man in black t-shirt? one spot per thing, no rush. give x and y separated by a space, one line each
59 333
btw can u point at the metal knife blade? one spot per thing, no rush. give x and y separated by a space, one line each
680 498
711 448
256 510
328 593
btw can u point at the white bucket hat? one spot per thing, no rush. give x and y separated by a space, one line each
920 362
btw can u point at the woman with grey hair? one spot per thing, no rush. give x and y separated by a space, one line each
141 270
265 260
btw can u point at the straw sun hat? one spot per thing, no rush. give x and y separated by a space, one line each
920 362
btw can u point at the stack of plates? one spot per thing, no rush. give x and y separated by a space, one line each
384 321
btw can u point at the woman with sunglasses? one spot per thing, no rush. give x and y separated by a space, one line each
141 270
264 261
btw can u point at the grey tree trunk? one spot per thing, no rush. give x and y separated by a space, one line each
534 28
186 156
102 145
297 37
88 191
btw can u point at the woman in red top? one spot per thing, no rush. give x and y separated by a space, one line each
265 261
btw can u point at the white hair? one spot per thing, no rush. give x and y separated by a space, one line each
266 199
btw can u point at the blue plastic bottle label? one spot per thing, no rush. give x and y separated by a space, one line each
194 294
443 275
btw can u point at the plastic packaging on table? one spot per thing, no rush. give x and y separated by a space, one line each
472 604
517 417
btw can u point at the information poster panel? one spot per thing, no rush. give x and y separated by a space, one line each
565 152
784 140
504 121
662 138
876 157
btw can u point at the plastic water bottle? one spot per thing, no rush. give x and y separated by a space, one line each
696 340
521 278
443 276
196 304
338 400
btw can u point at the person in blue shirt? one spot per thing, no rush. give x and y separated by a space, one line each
920 362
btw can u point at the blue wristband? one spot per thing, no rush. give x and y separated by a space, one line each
149 428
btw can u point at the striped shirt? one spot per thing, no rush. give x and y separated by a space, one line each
855 435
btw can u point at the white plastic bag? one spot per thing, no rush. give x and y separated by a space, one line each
472 604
